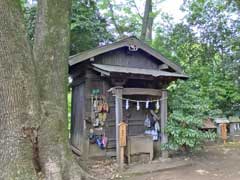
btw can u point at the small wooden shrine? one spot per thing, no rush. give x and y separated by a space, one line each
234 125
208 125
219 122
126 82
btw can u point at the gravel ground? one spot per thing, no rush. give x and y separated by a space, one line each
213 163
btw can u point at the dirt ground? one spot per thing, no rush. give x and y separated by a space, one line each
213 163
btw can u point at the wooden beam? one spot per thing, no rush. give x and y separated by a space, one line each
101 71
92 59
77 82
119 117
141 91
118 81
140 76
154 115
164 138
163 66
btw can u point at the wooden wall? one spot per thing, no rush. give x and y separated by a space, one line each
77 114
93 81
121 57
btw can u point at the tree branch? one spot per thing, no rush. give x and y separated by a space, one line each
135 6
113 18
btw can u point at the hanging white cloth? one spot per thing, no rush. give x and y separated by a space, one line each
157 105
127 104
138 105
147 122
147 104
157 126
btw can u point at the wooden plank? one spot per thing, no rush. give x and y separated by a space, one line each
92 53
119 57
141 91
121 157
78 81
164 138
159 56
123 134
163 66
119 117
123 43
122 141
101 71
140 144
224 132
154 114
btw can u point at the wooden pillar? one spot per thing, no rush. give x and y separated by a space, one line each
164 138
119 117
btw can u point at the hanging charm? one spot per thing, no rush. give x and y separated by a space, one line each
157 105
147 104
138 105
95 103
127 104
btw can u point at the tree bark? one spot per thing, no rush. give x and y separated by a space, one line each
18 95
33 93
147 23
51 50
149 27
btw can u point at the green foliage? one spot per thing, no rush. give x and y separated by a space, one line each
123 17
206 45
184 133
126 16
30 14
189 105
88 27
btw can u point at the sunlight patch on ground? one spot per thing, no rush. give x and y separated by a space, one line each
202 172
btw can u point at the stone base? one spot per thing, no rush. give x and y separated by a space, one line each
164 154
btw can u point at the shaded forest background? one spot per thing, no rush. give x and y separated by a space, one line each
206 43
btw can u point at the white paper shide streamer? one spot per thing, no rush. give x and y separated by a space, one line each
147 104
127 104
157 105
138 105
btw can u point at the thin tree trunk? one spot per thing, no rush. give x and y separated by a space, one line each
18 95
149 27
113 19
147 23
51 50
237 3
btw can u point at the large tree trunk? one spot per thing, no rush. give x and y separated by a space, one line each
33 106
51 50
18 96
147 23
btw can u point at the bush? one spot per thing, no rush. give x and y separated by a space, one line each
184 132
